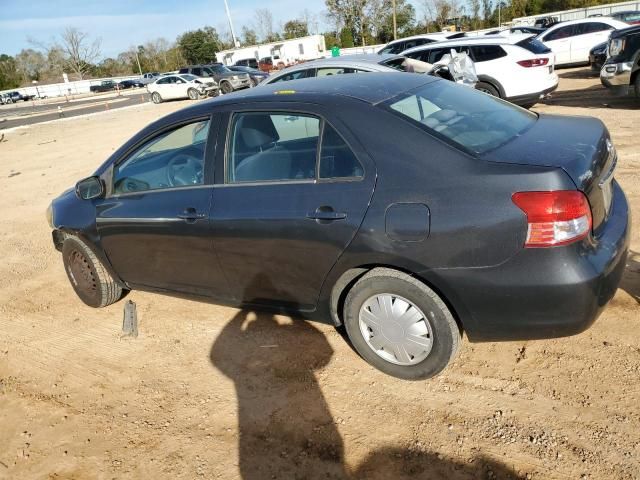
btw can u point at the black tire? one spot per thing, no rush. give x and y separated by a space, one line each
215 93
446 337
156 98
193 94
89 278
226 87
488 88
636 85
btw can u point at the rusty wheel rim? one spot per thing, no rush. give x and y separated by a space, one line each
82 273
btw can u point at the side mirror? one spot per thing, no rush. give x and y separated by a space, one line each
90 188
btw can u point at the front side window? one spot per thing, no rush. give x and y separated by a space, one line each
164 81
477 123
272 147
172 159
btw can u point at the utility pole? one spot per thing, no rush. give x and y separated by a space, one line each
395 24
138 60
499 19
233 34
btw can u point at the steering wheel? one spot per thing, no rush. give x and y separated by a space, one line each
184 169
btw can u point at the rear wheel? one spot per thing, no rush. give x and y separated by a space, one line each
193 94
226 87
487 88
399 325
156 98
636 85
89 278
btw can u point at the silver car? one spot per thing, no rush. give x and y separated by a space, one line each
340 65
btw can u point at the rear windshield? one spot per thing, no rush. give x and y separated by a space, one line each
533 45
474 121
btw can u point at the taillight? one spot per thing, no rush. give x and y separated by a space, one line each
554 218
534 62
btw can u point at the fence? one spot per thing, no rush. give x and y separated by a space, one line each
65 88
580 13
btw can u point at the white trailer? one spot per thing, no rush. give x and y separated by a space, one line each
286 51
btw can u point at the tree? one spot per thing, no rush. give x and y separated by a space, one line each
31 64
346 38
295 29
249 36
9 77
199 46
264 25
79 52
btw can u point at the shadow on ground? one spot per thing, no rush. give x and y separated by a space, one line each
596 96
286 429
631 277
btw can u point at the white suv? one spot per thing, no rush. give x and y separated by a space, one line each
517 69
572 41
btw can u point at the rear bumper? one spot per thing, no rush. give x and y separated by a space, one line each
532 97
542 293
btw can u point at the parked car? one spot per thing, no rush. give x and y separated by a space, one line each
149 77
572 41
225 78
247 62
172 87
256 76
16 96
104 86
632 17
269 64
597 56
517 69
461 223
621 71
546 22
402 44
5 99
126 84
339 66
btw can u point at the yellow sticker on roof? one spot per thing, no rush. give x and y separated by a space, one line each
284 92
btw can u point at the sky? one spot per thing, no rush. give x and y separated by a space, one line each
124 23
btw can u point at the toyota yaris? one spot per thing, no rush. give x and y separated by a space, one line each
404 207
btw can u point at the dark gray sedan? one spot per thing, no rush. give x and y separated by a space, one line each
407 208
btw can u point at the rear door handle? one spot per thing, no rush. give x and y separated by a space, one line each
326 214
191 215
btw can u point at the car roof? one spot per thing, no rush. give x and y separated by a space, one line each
370 60
434 35
372 88
480 40
609 20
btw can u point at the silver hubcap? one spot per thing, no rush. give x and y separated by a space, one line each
395 329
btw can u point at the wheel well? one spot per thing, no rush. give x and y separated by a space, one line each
634 76
494 83
350 277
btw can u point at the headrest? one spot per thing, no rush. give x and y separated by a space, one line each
257 130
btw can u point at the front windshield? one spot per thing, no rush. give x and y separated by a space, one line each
221 69
475 121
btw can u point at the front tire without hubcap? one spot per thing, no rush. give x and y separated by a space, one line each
193 94
156 98
226 87
487 88
399 325
88 277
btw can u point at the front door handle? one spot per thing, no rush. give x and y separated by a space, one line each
191 215
326 214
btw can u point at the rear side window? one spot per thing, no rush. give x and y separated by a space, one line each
393 48
267 147
462 116
325 72
294 76
336 158
533 45
484 53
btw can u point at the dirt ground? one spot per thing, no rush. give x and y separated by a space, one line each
213 392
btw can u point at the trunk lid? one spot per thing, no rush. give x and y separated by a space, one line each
581 146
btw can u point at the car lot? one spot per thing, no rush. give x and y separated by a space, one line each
202 383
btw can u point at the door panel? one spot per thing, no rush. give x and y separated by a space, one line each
154 225
278 240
